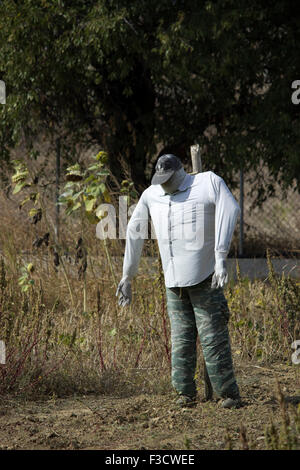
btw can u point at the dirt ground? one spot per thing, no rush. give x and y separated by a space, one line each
150 422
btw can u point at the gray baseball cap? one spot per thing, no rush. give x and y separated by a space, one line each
165 168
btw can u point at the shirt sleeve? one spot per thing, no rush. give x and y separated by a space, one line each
136 233
227 211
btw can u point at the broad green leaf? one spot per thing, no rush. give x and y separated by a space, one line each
20 186
102 157
100 212
19 177
89 179
34 212
27 199
73 208
90 204
102 188
103 172
76 206
30 268
77 195
65 196
94 167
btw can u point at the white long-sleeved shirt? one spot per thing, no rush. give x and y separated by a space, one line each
193 227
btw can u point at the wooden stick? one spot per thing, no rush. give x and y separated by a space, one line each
196 159
197 168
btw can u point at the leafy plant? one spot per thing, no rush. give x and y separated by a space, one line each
26 281
23 179
86 189
20 178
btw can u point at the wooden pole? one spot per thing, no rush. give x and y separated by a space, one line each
196 159
2 92
197 168
241 240
57 189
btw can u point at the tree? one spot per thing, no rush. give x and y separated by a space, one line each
131 75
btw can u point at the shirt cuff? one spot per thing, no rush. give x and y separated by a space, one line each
127 277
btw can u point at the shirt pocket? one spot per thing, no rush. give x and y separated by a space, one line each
193 226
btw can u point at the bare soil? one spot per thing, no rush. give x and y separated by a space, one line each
151 421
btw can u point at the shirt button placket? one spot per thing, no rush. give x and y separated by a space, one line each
170 240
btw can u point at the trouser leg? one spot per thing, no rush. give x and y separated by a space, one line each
183 339
211 315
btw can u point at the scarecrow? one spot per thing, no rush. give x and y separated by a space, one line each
194 216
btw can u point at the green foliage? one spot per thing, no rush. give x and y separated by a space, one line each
127 190
21 180
86 189
130 75
26 281
68 339
20 177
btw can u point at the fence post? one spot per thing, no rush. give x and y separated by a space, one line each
2 92
57 188
241 238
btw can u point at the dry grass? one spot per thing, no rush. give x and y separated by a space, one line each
55 347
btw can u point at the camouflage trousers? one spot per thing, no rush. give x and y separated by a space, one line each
200 310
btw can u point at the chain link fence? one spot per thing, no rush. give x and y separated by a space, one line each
273 225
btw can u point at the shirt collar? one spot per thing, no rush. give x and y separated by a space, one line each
186 183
